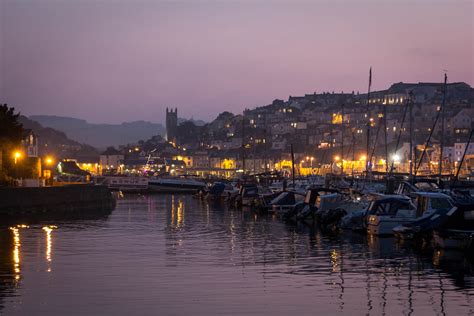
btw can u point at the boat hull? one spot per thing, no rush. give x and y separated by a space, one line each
171 189
124 184
384 226
453 239
175 186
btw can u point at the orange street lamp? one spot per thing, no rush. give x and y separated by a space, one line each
337 158
16 155
49 161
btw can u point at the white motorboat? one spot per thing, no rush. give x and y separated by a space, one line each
391 211
123 183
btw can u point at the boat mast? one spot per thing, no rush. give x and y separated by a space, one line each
385 136
342 140
367 113
427 143
243 142
441 147
265 146
463 157
293 165
402 126
353 153
410 104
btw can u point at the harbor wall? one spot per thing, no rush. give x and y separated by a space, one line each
67 200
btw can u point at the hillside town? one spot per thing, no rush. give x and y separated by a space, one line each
327 132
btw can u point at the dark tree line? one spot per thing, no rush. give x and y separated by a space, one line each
11 132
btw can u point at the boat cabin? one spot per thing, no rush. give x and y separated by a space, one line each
312 195
286 200
430 202
407 188
393 206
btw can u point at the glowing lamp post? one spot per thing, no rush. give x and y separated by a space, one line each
16 156
49 161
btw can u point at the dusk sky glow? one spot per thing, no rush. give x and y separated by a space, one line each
113 61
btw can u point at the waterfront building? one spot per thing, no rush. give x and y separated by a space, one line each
110 161
459 149
30 144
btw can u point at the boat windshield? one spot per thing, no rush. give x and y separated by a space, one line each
440 204
426 186
388 207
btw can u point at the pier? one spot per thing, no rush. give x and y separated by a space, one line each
47 202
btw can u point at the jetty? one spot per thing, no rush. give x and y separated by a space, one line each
50 202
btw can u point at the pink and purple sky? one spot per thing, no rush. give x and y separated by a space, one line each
113 61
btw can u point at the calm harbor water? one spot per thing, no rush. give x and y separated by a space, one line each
174 255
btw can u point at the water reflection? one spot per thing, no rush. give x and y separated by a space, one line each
48 230
387 273
16 249
7 265
190 256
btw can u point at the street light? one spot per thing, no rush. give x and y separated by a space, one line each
16 155
49 161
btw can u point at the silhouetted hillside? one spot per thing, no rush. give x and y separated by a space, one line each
54 142
101 135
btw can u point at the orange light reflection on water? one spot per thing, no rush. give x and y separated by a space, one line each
48 230
16 249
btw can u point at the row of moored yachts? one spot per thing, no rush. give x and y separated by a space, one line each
418 211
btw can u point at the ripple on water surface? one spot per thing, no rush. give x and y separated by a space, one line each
172 254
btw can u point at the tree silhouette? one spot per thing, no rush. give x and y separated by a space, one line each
10 129
11 132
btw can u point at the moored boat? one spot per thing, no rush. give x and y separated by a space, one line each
458 231
176 185
397 214
286 201
124 183
387 212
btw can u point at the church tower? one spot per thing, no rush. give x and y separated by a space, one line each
171 125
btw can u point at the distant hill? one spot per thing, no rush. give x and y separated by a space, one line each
56 143
101 135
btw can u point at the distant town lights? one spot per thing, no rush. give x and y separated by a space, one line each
396 158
